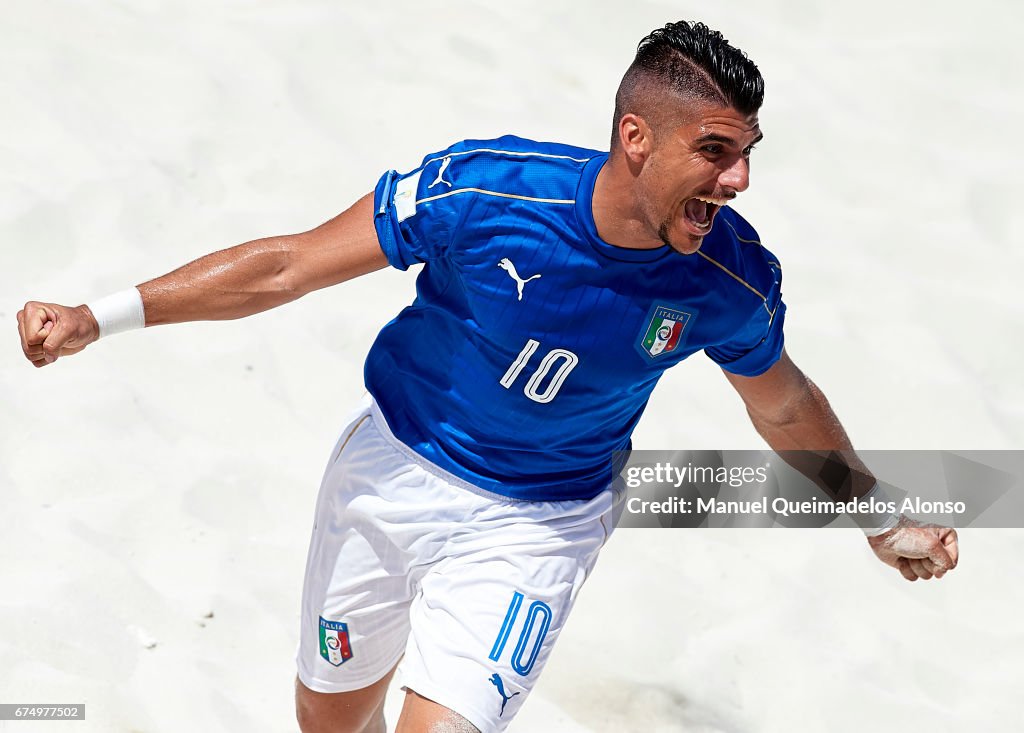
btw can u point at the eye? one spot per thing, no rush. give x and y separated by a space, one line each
748 150
713 149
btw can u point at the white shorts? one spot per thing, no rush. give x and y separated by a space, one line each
472 588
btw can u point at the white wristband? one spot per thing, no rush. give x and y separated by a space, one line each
119 312
876 512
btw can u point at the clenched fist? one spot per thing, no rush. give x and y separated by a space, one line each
917 550
49 331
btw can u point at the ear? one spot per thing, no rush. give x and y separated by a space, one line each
635 137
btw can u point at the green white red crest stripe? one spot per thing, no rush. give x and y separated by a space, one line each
664 330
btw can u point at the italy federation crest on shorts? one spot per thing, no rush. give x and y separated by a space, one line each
334 643
664 330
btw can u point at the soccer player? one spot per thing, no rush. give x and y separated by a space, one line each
467 499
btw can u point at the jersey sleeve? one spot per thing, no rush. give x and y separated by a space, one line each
759 341
415 215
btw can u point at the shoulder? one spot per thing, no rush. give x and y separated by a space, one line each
735 247
512 149
510 165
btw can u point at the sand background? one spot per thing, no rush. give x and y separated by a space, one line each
168 475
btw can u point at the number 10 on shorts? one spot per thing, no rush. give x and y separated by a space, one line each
535 628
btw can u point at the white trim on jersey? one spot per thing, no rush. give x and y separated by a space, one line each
495 193
516 153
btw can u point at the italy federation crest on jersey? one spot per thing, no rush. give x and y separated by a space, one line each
664 330
334 643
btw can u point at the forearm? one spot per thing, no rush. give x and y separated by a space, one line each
807 434
793 416
224 285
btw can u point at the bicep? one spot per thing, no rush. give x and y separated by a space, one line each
340 249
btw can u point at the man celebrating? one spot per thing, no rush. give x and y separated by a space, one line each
466 501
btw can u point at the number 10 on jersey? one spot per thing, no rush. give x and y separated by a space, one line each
559 360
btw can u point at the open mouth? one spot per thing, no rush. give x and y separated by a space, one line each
699 212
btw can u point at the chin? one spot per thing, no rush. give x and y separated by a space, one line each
690 248
686 245
684 242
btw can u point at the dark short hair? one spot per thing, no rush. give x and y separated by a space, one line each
693 60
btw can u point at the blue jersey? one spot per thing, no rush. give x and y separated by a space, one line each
532 346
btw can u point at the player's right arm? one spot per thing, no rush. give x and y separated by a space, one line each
228 284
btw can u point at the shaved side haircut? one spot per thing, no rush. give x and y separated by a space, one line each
687 61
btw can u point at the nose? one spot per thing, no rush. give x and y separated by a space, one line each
736 176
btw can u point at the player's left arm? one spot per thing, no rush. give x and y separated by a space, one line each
792 414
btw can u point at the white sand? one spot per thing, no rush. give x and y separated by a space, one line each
167 475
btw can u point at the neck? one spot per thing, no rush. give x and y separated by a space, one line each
616 210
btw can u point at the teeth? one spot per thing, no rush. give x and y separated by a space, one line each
716 202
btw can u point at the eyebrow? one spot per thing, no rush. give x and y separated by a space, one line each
712 137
